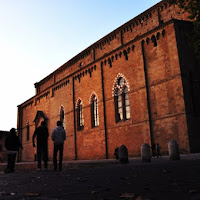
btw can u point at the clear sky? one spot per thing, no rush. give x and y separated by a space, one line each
38 36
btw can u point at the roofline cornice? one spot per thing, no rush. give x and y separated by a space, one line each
172 21
108 37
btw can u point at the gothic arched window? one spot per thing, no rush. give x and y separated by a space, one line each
62 116
80 120
121 99
94 112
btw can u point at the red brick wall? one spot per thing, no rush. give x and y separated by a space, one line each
167 109
166 91
132 29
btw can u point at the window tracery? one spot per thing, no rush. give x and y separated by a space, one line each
121 99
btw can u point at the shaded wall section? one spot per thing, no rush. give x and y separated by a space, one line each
190 73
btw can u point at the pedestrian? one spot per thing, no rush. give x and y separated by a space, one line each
158 150
153 148
116 153
12 144
58 136
42 134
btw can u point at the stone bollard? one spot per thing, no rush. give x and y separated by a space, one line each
123 154
145 153
173 150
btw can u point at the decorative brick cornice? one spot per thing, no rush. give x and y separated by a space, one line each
44 95
28 103
60 85
108 58
85 72
138 20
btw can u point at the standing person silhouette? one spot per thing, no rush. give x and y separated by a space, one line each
158 150
41 133
153 150
58 136
12 144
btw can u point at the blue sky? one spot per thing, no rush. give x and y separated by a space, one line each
38 36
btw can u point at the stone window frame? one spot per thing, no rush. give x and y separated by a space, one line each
79 114
94 110
121 99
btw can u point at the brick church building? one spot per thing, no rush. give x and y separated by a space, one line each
138 84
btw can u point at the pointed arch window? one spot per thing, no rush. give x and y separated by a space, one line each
94 112
80 119
62 116
121 99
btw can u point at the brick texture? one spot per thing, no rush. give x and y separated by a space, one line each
152 73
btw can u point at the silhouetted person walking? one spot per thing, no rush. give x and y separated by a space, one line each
116 153
153 150
58 136
158 150
12 144
41 133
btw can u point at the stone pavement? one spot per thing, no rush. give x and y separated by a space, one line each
161 179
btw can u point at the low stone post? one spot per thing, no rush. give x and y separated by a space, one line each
123 154
173 150
145 153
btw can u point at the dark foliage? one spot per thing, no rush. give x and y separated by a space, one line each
193 8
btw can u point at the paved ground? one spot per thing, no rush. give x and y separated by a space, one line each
161 179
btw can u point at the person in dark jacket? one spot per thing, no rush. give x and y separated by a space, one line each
58 136
153 150
158 148
12 144
42 134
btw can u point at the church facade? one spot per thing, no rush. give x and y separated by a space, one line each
138 84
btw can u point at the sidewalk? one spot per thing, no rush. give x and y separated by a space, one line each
161 179
73 164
